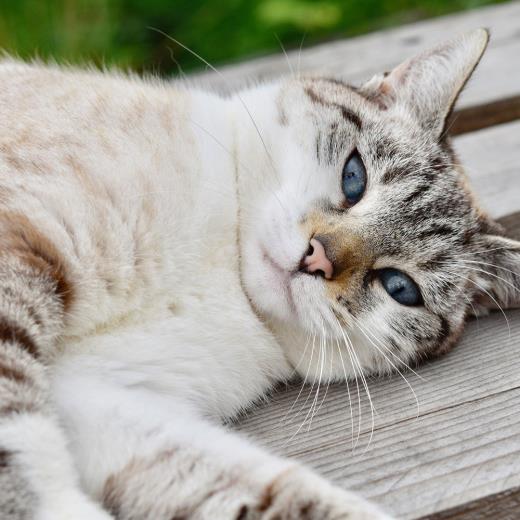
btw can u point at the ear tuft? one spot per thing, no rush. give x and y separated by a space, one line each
429 83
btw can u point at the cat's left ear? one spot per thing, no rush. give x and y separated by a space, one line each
429 83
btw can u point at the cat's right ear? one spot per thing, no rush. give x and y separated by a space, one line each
428 84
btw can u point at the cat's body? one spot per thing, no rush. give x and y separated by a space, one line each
138 267
131 241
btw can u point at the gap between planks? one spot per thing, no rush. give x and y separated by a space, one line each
477 117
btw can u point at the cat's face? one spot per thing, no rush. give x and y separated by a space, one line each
367 249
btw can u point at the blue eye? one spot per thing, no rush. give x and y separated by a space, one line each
354 178
400 287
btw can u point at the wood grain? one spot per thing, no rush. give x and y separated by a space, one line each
491 159
504 506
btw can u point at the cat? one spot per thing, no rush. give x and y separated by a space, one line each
169 255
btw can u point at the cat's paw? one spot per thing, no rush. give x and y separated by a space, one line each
298 494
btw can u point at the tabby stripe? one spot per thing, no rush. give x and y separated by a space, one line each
18 408
421 190
350 116
347 114
12 373
10 332
318 147
331 145
391 175
4 458
394 345
23 303
439 230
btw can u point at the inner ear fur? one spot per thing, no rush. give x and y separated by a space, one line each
429 84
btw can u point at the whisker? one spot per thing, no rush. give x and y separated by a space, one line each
459 291
298 69
365 332
308 396
483 251
285 54
304 379
408 367
315 401
355 361
515 273
348 393
328 381
489 274
242 165
179 68
372 408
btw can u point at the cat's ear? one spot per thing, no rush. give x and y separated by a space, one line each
429 83
497 274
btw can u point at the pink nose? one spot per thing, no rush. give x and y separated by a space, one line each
316 260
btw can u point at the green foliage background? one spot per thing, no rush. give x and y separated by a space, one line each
120 31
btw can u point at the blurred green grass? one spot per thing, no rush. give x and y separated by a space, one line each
119 32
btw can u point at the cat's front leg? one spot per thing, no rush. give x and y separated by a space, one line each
37 476
221 476
138 426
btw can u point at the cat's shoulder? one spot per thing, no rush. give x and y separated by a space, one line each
36 87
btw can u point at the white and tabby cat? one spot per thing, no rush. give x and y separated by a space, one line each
167 255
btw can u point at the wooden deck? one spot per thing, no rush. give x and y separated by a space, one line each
457 454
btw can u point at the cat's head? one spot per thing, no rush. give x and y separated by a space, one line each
362 245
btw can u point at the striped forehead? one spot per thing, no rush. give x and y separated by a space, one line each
344 118
422 213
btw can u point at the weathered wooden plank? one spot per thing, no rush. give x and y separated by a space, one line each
438 460
491 160
496 82
503 506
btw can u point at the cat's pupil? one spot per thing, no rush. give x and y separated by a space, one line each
354 178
